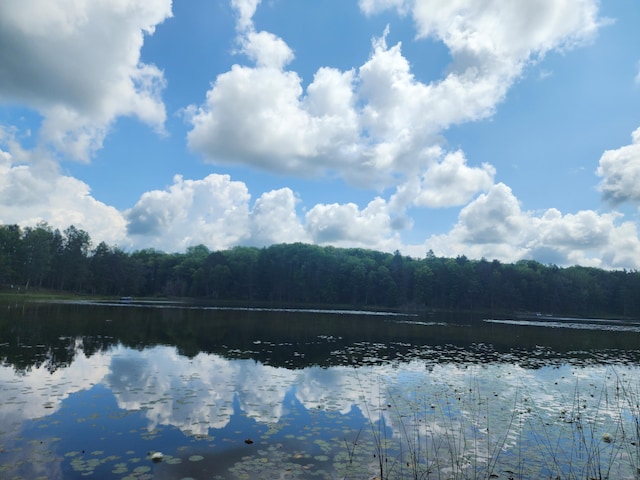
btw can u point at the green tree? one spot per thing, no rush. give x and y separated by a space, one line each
243 263
189 272
12 257
423 284
113 272
38 244
74 259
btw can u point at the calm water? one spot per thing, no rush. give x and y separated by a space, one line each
94 390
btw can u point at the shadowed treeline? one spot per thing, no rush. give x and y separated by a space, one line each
301 274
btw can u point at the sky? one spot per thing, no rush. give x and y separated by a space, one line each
497 129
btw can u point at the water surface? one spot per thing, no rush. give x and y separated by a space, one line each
93 390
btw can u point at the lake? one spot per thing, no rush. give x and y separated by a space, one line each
153 390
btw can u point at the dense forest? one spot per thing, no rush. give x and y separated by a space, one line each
40 257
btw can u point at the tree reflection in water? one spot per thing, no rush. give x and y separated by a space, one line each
96 389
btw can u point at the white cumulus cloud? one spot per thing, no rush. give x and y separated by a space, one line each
446 182
77 62
495 226
346 225
373 123
217 212
213 211
620 172
274 219
267 50
246 9
32 190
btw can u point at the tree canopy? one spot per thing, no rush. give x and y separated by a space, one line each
41 257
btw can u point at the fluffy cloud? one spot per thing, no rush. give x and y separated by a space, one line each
274 220
400 111
263 117
502 35
34 192
447 181
245 9
77 62
267 50
491 218
373 124
213 211
377 125
257 116
494 226
346 225
620 172
497 37
490 43
216 212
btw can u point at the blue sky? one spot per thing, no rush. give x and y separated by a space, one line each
506 131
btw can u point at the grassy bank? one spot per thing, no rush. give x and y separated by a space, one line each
11 295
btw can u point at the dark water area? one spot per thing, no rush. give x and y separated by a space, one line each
160 390
34 333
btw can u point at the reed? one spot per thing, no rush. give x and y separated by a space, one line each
457 435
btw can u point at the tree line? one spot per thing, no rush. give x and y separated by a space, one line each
44 258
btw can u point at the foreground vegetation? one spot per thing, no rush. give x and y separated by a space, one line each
43 258
461 434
